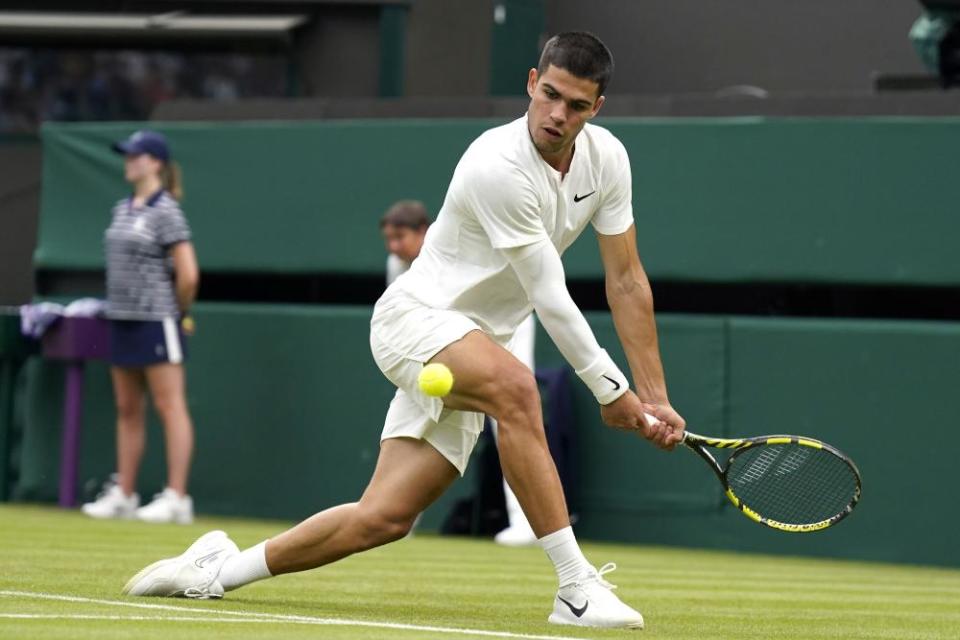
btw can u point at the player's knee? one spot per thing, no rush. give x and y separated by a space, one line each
379 527
396 529
517 398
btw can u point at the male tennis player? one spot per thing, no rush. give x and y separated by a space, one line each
520 195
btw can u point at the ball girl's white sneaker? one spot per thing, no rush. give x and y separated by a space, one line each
168 506
112 503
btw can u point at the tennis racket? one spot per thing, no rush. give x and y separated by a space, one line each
789 483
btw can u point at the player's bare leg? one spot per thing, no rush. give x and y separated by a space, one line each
409 476
489 379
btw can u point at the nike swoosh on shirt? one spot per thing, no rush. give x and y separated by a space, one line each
577 198
577 611
616 385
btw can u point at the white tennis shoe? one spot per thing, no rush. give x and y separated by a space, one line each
167 506
113 503
590 602
193 574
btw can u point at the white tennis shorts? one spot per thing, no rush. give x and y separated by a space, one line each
404 335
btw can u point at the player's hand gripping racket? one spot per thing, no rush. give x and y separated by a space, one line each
790 483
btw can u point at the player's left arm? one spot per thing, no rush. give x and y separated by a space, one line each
631 304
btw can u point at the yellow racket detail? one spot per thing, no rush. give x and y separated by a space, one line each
750 513
798 528
734 499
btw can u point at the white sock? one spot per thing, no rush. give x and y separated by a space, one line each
247 566
564 552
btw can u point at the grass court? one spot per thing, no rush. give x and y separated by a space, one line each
62 574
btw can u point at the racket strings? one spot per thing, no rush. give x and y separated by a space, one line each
792 483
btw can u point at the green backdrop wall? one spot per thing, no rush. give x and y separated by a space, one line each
289 406
730 200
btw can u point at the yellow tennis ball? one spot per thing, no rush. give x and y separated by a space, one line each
435 380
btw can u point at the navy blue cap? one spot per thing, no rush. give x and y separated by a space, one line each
145 141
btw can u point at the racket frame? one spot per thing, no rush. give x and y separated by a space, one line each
698 444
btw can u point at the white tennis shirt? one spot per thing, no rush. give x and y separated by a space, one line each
502 195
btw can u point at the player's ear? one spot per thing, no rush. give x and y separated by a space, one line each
597 105
531 82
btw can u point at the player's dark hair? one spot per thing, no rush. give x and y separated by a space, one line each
582 54
411 214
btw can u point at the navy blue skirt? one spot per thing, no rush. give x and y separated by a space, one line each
141 343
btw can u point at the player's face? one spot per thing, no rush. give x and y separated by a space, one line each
560 104
140 167
403 242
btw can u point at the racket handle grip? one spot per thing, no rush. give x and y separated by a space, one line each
651 420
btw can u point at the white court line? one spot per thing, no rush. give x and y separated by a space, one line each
254 616
90 616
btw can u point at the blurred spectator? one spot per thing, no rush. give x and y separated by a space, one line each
53 84
403 227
